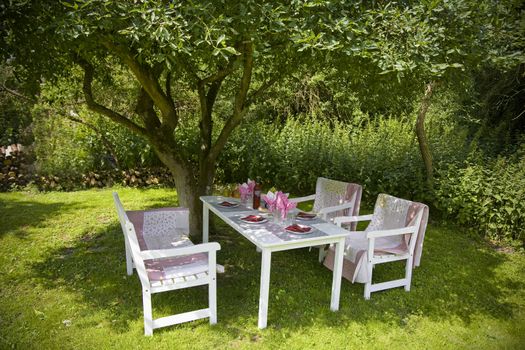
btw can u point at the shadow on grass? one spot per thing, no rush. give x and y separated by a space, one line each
456 280
32 214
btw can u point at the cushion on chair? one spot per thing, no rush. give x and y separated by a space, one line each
162 269
160 228
329 193
166 228
389 213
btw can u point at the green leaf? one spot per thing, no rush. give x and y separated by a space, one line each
220 39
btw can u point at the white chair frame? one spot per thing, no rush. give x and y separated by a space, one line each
324 214
135 259
373 259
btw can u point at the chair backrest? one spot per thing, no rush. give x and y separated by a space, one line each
329 193
391 213
131 241
161 228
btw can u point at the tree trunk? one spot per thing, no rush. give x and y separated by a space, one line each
188 194
422 137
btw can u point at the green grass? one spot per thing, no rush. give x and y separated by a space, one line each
63 284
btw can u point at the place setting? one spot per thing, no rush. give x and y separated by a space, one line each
228 204
303 216
298 229
254 219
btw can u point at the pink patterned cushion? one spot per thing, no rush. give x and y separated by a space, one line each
166 268
181 266
398 213
329 193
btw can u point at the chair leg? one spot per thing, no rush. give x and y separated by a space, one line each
212 287
408 273
212 300
129 261
148 314
368 284
322 253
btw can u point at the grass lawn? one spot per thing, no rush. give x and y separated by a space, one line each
63 285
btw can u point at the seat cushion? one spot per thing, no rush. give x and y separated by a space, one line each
181 266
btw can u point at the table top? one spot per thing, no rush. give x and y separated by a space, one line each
269 234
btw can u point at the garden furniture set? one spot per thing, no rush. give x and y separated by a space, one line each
158 247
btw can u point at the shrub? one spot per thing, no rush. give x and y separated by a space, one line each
381 154
489 198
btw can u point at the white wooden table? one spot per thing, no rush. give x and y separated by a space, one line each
269 237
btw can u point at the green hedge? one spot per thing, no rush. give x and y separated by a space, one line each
489 197
382 155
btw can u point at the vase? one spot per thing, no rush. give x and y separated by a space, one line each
277 218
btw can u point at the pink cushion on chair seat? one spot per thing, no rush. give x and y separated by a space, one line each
181 266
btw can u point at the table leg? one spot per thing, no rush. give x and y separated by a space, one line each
265 287
338 271
205 222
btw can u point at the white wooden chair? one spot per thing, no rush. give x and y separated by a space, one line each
333 198
157 246
396 232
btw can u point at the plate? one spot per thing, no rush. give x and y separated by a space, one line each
254 219
305 216
226 204
298 229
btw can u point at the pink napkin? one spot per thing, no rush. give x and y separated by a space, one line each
299 228
283 204
270 198
253 218
251 185
304 215
246 189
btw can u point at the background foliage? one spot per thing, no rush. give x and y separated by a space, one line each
343 104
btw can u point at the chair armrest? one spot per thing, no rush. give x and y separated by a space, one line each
302 199
171 252
345 219
392 232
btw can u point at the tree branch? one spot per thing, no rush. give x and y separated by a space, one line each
168 88
221 73
150 83
98 108
145 109
16 93
239 108
257 93
207 100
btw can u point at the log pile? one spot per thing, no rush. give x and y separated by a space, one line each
15 173
132 178
14 168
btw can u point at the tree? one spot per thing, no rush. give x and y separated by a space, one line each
212 47
422 45
436 43
226 51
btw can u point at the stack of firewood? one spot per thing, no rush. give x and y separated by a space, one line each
14 170
146 177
